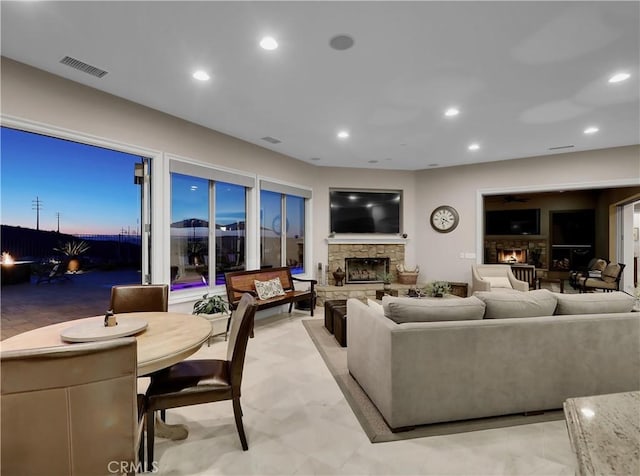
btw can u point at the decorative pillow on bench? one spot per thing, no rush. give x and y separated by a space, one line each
594 303
401 310
502 305
269 289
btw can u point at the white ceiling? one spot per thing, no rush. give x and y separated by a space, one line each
527 76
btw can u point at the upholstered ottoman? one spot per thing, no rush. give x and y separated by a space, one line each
329 307
340 325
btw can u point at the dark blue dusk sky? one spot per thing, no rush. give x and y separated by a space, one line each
92 188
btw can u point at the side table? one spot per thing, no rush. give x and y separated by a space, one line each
340 325
459 289
385 292
329 309
551 281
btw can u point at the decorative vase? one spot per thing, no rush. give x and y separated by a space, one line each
338 276
386 286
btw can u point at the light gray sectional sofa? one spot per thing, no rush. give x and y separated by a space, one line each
513 352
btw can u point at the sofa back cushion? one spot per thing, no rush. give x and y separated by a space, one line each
401 310
594 303
503 305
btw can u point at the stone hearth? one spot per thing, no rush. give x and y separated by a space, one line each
339 252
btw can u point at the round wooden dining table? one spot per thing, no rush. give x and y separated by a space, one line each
169 337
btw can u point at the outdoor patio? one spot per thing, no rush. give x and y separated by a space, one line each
28 306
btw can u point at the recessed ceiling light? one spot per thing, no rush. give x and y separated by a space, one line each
343 134
591 130
201 75
372 161
452 111
618 77
268 43
474 146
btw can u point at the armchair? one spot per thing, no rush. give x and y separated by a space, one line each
593 270
609 280
487 277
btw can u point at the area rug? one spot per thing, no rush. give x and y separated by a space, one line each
376 429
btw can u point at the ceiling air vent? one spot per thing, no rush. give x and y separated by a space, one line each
84 67
562 147
272 140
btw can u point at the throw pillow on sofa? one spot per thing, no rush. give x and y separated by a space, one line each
541 302
401 310
594 303
499 282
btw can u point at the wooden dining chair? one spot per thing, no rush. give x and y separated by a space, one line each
192 382
71 409
139 298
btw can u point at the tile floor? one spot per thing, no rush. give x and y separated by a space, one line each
298 423
296 418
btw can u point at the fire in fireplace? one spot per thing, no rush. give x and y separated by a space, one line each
512 255
365 270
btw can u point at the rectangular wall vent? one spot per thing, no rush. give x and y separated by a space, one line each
561 147
82 66
273 140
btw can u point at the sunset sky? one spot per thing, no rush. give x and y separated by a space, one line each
92 188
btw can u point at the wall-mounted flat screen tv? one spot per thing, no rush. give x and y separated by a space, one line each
512 222
365 211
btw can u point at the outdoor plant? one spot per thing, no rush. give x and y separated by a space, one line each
210 305
73 247
437 288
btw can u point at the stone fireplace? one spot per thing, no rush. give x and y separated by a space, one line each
517 251
391 253
512 255
365 270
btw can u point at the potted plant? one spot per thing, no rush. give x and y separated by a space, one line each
213 304
195 252
386 280
214 308
437 288
73 249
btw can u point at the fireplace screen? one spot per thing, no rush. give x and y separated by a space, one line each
365 270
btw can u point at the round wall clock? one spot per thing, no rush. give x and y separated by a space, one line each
444 219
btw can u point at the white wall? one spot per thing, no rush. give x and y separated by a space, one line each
463 187
35 95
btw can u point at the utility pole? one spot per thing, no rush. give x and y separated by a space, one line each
37 206
58 217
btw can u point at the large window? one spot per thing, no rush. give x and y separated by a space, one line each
231 216
282 239
270 229
294 246
208 218
189 231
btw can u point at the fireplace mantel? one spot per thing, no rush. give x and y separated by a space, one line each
392 240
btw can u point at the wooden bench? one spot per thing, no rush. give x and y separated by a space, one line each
240 282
